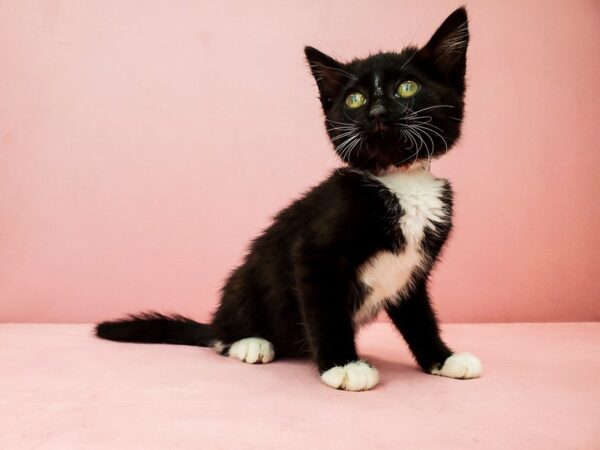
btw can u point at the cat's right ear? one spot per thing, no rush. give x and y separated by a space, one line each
329 74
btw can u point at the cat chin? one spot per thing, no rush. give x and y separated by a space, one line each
403 168
408 167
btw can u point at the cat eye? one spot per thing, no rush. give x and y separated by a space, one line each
408 88
355 100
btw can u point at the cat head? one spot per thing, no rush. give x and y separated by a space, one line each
394 109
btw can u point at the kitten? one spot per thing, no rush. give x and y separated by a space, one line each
363 240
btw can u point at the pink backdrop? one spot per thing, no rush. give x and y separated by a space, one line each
142 147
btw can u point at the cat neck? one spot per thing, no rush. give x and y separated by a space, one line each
417 169
399 178
418 166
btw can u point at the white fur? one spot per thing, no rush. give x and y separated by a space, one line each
460 365
387 274
252 350
354 376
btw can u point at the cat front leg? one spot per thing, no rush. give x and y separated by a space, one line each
416 321
324 296
331 335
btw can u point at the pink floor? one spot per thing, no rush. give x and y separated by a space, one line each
60 388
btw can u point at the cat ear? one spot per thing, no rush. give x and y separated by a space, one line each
329 74
447 48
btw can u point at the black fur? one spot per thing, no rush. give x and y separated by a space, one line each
298 286
153 327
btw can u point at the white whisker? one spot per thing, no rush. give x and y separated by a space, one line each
425 128
431 107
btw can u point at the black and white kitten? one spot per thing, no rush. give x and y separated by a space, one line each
363 240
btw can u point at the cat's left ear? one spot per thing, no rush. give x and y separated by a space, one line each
447 48
329 74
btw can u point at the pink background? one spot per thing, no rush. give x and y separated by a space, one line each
142 147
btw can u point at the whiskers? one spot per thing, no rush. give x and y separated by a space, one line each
416 128
349 137
418 131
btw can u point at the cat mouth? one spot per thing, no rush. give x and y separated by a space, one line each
381 128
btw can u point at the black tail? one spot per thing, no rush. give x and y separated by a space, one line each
156 328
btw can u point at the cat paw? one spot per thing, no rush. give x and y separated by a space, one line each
252 350
460 365
354 376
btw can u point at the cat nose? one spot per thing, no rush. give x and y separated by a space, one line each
377 111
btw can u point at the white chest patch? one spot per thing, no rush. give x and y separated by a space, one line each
388 274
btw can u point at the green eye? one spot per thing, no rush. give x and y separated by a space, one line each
408 88
355 100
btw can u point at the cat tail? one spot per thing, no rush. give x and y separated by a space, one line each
156 328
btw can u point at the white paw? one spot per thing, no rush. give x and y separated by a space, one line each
252 350
354 376
460 365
